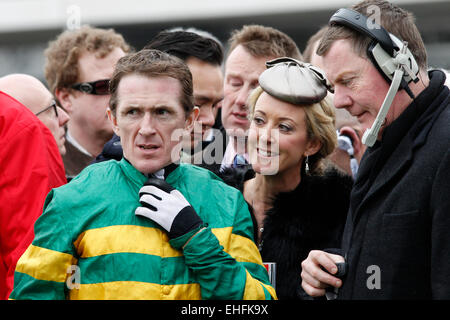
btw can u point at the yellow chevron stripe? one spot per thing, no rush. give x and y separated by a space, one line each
271 290
138 239
241 248
132 290
254 289
45 264
124 238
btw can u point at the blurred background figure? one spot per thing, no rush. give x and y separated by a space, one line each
30 162
309 54
78 67
350 148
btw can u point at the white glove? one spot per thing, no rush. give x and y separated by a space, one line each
167 207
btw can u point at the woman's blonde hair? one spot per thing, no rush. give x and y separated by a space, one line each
320 125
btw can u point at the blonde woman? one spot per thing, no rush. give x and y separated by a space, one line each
299 203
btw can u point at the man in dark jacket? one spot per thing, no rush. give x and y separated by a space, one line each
396 242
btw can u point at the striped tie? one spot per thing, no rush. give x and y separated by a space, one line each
239 161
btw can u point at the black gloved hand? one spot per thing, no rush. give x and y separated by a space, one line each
167 207
332 292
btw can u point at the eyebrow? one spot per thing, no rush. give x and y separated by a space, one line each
153 107
344 74
280 119
233 75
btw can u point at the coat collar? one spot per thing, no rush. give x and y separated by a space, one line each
139 178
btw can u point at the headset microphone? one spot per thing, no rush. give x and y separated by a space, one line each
370 135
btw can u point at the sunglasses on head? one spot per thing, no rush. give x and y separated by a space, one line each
99 87
53 105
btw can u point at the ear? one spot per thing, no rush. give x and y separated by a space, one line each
313 146
191 119
356 140
113 120
63 95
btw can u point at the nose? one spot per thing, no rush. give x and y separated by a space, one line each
341 98
146 126
242 96
206 116
63 117
267 137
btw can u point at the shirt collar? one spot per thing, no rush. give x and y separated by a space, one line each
229 155
139 178
76 144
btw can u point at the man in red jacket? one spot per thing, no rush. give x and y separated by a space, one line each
31 165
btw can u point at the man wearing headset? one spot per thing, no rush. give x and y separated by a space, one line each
396 242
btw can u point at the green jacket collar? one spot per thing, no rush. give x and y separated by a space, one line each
138 178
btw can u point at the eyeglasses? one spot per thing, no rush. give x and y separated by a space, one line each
99 87
53 105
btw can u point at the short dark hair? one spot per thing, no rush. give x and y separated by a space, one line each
153 63
185 44
262 41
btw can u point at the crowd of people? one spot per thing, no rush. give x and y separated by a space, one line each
184 171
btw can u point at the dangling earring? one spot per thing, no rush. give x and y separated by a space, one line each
307 165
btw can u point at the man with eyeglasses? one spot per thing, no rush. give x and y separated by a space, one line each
78 67
30 162
36 97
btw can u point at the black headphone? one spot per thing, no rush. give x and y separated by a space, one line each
386 51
